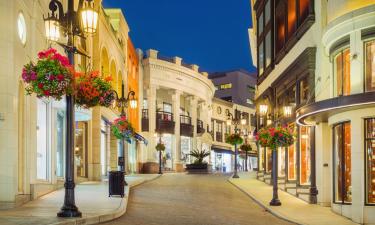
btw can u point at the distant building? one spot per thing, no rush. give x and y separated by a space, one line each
237 86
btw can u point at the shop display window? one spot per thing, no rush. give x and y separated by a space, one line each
292 158
370 159
281 161
342 163
305 154
342 72
43 139
370 65
269 160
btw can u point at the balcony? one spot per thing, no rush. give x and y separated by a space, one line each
200 127
219 137
164 122
186 128
145 120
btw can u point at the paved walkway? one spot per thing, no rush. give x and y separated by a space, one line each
292 209
91 198
181 199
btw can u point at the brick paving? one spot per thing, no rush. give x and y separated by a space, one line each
181 199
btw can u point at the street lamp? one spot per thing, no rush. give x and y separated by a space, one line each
122 102
69 23
246 135
235 121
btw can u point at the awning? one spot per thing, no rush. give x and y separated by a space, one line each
140 138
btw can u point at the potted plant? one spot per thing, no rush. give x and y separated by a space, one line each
275 138
198 165
51 76
121 128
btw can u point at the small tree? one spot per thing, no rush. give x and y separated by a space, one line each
199 156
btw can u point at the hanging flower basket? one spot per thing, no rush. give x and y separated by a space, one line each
121 128
93 90
246 147
275 137
234 139
50 76
160 147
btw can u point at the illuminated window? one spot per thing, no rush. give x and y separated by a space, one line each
342 163
370 65
225 86
21 26
292 156
305 154
292 17
303 9
280 26
342 72
370 159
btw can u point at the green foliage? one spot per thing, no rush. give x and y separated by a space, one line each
199 155
160 147
246 147
234 139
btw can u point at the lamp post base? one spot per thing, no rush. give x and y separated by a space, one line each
235 176
275 202
68 212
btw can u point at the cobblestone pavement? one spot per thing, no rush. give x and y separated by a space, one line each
181 199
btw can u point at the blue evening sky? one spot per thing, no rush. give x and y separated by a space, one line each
210 33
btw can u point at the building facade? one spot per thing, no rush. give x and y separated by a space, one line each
222 153
315 63
32 131
176 100
236 86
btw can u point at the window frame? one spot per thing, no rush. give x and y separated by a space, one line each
365 42
334 175
366 161
334 55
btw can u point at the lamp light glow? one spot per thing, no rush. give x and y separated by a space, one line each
89 18
263 109
52 27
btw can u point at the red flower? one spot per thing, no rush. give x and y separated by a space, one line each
40 85
46 93
60 77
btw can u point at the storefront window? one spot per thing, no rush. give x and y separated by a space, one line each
43 140
281 161
268 49
104 147
80 151
342 72
342 163
370 159
60 145
304 91
305 154
185 149
370 65
292 156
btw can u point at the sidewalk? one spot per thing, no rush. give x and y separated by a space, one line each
91 199
292 209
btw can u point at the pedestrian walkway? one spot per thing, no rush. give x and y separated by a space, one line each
91 198
292 209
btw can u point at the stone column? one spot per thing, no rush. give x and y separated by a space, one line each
194 118
356 64
323 152
151 164
94 160
176 155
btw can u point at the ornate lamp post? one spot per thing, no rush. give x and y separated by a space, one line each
70 24
235 121
122 102
246 135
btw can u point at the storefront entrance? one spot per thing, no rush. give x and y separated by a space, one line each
222 160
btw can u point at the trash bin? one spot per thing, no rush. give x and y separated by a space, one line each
116 183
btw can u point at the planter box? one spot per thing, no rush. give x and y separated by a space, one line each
197 168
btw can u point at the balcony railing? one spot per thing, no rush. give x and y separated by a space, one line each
164 122
219 137
145 120
186 128
200 127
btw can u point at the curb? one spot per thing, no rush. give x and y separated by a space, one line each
266 207
121 210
